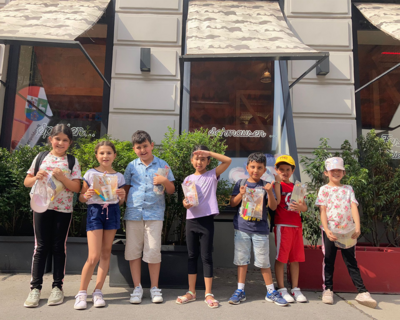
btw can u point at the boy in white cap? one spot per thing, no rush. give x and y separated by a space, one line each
339 214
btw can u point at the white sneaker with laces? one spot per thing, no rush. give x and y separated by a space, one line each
366 300
156 295
80 301
298 296
56 297
97 298
327 296
285 295
136 296
33 299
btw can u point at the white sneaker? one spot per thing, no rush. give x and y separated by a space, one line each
136 296
80 301
33 299
366 300
298 296
285 295
56 297
327 296
156 295
97 298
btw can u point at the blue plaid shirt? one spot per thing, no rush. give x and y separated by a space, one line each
143 203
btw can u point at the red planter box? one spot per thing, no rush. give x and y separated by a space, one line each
379 269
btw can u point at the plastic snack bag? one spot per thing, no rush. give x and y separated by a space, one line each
42 192
190 191
344 240
298 193
159 188
105 188
252 203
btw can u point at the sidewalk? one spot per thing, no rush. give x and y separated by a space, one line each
15 288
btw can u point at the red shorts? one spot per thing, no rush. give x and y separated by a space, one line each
289 244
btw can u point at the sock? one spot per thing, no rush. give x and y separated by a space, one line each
97 290
241 286
270 288
82 291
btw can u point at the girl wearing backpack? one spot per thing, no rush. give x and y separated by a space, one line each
51 227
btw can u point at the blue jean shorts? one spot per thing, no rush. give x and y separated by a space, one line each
243 241
98 218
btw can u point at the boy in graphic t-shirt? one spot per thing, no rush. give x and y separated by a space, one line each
288 232
250 231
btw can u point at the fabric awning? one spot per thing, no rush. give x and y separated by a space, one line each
50 23
384 16
49 19
235 29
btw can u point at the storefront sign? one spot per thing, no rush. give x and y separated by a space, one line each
44 131
395 143
237 133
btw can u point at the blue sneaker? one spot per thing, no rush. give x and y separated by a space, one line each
276 298
237 297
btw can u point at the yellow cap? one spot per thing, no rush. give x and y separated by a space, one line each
286 159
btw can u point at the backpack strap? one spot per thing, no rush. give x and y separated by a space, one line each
39 160
71 162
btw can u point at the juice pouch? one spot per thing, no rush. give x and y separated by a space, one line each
159 188
190 191
298 193
252 203
106 186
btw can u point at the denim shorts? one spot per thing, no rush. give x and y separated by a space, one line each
243 241
99 218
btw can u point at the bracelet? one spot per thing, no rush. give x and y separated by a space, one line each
84 196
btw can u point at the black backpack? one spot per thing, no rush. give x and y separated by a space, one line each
271 212
42 155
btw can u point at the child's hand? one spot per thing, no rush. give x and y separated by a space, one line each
159 179
41 174
295 206
278 178
268 187
186 204
242 190
202 153
89 193
330 235
356 234
58 174
120 193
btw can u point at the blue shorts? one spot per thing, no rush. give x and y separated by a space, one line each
243 244
97 217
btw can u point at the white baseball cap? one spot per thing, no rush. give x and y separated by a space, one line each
334 163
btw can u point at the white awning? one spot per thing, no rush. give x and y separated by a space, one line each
384 16
39 20
229 29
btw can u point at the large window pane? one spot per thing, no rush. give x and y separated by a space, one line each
380 101
244 100
59 85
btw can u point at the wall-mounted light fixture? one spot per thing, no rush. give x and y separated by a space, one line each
145 54
266 77
323 68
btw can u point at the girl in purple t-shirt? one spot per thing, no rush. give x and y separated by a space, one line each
200 221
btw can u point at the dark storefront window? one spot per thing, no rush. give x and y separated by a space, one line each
380 101
59 85
244 100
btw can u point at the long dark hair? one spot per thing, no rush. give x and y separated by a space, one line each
61 128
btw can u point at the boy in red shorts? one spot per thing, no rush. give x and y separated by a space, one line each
288 232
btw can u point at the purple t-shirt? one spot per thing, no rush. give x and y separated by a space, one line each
206 187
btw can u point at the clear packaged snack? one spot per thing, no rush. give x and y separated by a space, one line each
159 188
344 239
190 192
298 193
252 203
42 193
105 186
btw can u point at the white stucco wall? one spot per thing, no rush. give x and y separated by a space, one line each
323 106
145 100
3 68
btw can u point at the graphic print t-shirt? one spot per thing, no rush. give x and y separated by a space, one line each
283 215
252 225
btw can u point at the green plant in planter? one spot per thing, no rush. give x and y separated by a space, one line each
14 196
176 150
